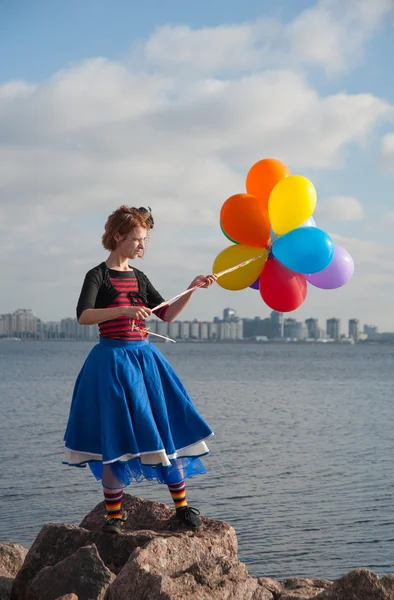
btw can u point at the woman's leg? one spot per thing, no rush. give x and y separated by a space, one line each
178 494
113 500
177 488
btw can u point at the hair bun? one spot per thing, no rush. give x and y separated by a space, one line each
147 213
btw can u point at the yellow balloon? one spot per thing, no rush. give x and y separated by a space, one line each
244 276
291 203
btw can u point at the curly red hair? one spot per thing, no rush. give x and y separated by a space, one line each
123 220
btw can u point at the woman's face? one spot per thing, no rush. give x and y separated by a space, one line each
133 244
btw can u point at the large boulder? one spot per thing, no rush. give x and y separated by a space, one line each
145 521
82 573
185 568
139 515
301 588
11 560
5 587
360 584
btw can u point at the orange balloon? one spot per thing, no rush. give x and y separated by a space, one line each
245 220
263 177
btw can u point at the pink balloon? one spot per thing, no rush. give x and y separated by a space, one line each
338 273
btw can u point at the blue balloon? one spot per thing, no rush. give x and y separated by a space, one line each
304 250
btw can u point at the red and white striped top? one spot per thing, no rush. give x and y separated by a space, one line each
121 329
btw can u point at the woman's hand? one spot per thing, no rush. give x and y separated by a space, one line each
137 312
207 279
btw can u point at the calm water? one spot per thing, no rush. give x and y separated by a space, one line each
301 465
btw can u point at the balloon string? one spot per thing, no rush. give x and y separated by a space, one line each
225 272
146 331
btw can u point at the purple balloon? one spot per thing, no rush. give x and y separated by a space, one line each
338 272
256 284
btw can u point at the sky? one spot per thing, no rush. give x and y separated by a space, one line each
169 105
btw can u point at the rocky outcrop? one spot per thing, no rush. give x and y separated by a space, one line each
83 573
360 584
299 588
11 560
156 559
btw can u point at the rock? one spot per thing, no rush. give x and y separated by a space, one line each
300 588
11 559
271 585
200 567
55 542
140 514
360 584
83 573
155 558
5 587
146 521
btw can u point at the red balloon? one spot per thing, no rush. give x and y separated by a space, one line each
280 288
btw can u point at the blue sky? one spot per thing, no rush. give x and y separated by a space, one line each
103 101
47 35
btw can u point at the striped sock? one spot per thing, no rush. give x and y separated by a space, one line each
178 493
113 502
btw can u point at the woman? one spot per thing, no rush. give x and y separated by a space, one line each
131 417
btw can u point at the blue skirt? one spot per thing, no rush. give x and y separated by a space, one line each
131 418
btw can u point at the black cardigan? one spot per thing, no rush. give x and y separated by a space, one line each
98 291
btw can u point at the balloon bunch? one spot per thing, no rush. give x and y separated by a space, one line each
275 216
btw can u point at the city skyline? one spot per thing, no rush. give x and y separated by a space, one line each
187 315
24 323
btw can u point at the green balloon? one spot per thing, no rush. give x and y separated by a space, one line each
227 236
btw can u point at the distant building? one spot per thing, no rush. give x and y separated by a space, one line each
257 327
294 330
185 330
204 331
162 328
213 331
232 330
174 330
371 331
195 330
229 314
230 327
354 329
50 330
333 329
21 323
70 329
312 329
277 330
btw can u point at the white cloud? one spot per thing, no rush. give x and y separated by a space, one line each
387 150
340 208
103 133
330 35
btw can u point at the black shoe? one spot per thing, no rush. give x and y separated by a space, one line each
189 517
113 525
